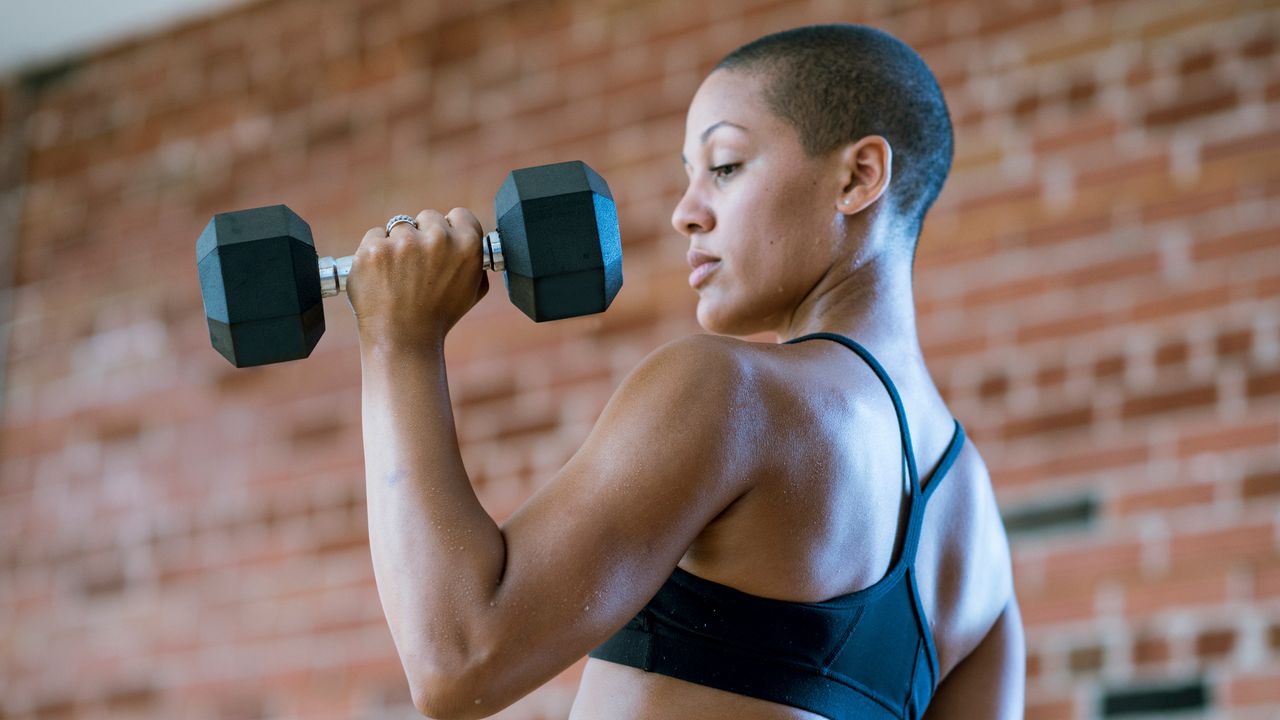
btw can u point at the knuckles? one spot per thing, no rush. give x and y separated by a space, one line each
434 234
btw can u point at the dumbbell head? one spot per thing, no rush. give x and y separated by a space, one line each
559 233
260 280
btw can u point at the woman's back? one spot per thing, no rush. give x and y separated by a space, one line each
828 514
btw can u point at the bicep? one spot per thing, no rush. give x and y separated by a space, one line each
990 681
591 547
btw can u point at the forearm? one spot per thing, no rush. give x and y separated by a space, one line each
437 555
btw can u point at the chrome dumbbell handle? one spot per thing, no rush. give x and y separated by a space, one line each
334 271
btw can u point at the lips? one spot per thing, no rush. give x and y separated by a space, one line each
703 265
697 257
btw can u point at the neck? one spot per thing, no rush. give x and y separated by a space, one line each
874 304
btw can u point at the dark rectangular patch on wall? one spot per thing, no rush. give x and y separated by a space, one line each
1155 700
1076 512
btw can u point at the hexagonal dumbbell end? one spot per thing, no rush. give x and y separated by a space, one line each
560 241
260 280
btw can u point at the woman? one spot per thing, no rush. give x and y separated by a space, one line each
742 534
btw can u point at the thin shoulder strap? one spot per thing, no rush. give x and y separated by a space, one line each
919 498
870 359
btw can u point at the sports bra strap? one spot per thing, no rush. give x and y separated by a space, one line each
919 496
903 430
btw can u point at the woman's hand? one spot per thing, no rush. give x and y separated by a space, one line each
409 289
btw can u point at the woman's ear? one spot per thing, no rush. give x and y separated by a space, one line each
865 168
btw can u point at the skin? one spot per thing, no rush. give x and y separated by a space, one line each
482 614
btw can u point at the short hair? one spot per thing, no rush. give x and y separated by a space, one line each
838 83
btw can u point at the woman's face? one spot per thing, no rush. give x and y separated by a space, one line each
757 204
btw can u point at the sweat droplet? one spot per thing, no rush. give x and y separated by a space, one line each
477 701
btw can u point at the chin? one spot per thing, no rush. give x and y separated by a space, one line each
720 319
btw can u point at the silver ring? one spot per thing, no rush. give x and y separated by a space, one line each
399 219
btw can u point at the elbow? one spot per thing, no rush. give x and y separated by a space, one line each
452 694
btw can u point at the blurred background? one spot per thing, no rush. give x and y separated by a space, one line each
1098 288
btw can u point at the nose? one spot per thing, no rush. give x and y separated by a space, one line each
692 215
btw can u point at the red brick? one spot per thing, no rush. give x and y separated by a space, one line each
1262 241
1216 438
1182 590
1081 91
1115 270
1261 46
1255 688
1140 74
1050 376
961 346
1063 328
1260 484
1180 303
1163 403
1267 287
1109 367
1164 498
1189 109
1263 385
1050 423
1053 709
997 24
1239 145
1172 353
1086 567
986 294
1150 650
1035 664
1073 463
993 386
1026 105
1069 47
1096 129
1234 343
1215 644
1086 660
1252 541
1123 171
1194 204
1064 605
1266 579
1161 25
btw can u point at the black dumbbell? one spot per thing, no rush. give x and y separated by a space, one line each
557 243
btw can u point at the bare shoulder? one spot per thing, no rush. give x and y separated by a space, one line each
703 370
703 347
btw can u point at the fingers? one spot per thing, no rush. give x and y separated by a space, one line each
431 225
465 224
460 226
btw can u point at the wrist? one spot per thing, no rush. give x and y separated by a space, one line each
376 346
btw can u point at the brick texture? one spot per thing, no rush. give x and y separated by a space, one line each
1098 287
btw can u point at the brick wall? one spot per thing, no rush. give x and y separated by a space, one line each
1098 285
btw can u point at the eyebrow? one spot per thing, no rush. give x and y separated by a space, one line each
707 133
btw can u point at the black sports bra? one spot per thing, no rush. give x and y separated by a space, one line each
867 654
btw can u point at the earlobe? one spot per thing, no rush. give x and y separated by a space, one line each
867 172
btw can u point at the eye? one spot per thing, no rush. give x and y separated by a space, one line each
724 171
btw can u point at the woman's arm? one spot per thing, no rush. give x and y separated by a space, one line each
437 555
482 615
991 681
